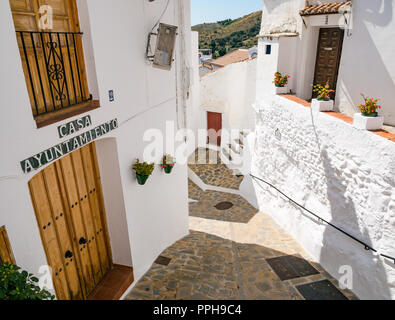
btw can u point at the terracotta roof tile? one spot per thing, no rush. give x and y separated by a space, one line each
232 57
328 8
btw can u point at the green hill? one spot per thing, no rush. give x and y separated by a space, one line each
229 34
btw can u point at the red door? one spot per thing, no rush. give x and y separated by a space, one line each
214 126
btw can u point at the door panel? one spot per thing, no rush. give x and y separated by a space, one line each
77 221
86 211
99 234
65 198
49 236
328 57
214 122
66 244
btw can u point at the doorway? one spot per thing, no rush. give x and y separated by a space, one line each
68 202
329 51
214 127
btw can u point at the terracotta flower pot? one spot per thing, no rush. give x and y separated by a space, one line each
141 179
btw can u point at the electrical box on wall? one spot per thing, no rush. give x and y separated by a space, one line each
165 46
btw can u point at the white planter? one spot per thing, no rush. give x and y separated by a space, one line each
281 90
368 123
321 106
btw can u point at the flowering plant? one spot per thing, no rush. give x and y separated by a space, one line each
323 92
168 161
370 107
280 80
143 169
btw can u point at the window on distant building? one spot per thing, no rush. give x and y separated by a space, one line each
268 49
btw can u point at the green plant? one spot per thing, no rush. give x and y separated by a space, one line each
143 168
168 161
323 92
370 107
280 80
20 285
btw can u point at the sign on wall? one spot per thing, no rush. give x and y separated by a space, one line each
74 126
62 149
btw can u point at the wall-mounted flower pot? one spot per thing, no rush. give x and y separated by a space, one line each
322 105
370 122
281 90
141 179
168 169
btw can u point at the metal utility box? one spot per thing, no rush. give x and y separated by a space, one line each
165 46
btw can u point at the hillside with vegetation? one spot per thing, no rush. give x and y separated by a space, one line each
227 35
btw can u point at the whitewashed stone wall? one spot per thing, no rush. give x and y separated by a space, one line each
344 175
231 91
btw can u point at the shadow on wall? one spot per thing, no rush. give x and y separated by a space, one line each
366 267
368 74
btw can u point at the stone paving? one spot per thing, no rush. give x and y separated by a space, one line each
228 255
207 165
241 211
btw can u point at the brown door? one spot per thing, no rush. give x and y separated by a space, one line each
214 126
329 51
52 59
70 213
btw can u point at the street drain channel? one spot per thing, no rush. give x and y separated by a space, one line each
163 261
224 206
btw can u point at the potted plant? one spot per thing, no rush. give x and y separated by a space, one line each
369 118
281 83
143 170
20 285
168 163
323 101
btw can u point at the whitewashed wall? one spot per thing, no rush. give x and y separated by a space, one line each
144 98
345 175
231 91
367 65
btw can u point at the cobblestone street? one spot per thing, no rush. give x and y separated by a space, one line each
234 252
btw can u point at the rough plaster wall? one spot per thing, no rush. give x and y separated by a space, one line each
372 70
323 164
281 16
231 90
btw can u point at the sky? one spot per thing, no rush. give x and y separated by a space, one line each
217 10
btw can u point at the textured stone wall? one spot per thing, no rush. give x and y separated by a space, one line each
344 175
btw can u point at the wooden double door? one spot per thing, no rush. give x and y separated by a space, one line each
329 51
69 207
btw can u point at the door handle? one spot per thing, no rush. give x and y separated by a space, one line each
83 241
68 254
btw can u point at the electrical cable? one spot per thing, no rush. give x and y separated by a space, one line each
367 247
149 51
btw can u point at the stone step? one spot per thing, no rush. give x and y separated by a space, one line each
235 149
226 154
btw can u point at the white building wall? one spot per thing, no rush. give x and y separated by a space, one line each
231 91
145 98
323 164
367 65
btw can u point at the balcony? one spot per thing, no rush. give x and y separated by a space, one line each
55 75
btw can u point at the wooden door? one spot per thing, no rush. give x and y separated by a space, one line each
329 51
214 126
6 255
68 203
52 59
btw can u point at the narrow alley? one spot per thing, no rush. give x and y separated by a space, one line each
233 252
